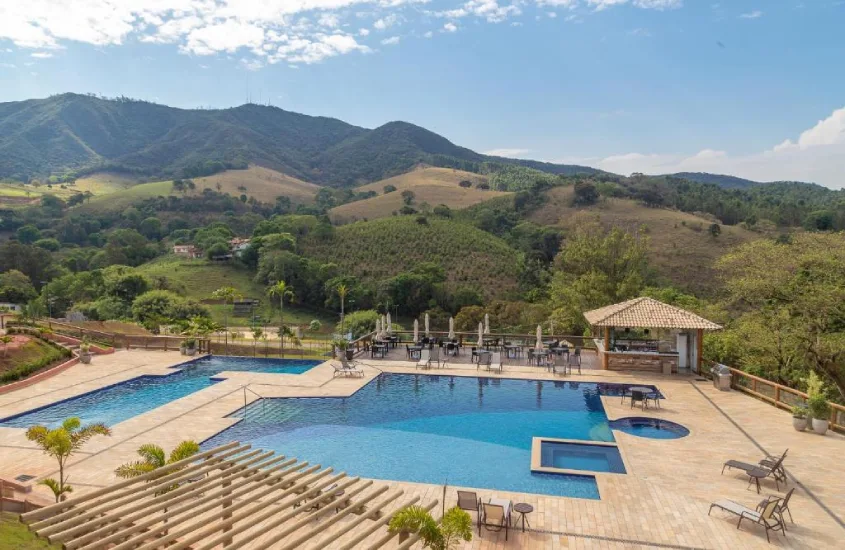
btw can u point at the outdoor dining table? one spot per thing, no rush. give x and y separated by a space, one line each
561 352
538 354
513 350
379 349
645 390
415 351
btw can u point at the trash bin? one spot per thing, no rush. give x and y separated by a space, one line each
721 377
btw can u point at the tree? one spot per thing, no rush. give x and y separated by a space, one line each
389 189
466 184
596 267
28 234
585 193
280 291
408 197
157 307
153 457
715 230
361 322
15 287
227 294
150 228
61 443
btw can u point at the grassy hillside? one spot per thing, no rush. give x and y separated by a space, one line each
383 248
15 535
262 183
430 185
681 248
101 183
120 200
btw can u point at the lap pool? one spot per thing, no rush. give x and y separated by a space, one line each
471 432
124 400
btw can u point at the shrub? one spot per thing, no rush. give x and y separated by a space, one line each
389 189
361 322
819 407
53 352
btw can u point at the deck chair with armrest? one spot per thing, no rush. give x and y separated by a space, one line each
425 359
470 502
756 472
495 517
783 505
495 361
768 517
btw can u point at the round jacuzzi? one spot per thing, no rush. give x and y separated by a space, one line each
653 428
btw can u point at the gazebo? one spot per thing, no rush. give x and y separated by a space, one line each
648 335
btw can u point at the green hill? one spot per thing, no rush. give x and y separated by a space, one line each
71 134
383 248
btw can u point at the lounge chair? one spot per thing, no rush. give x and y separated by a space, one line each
425 359
756 472
495 516
495 362
783 505
435 358
346 370
768 517
470 502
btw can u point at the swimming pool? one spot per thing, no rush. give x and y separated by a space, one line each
652 428
124 400
471 432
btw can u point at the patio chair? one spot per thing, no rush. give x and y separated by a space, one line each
495 361
638 396
474 355
756 472
768 518
576 356
495 516
425 359
346 370
470 502
783 505
435 358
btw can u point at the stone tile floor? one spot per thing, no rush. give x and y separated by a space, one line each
662 502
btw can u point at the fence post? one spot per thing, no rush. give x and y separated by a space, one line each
777 394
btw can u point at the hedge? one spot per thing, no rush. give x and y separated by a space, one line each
55 353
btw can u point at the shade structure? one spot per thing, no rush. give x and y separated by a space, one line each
480 335
230 496
451 327
427 334
486 323
416 330
647 312
389 324
539 343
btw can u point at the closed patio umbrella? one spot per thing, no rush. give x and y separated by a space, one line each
451 328
486 323
416 330
389 324
426 326
378 329
551 327
480 335
539 344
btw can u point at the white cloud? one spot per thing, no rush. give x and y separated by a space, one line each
645 33
600 5
450 27
41 55
393 40
756 14
8 66
386 22
330 20
817 156
428 34
252 64
364 32
552 15
506 152
489 10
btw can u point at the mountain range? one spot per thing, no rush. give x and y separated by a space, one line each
72 134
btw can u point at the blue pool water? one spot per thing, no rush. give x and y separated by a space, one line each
653 428
472 432
117 403
575 456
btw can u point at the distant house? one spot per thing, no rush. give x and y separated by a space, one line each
238 245
186 250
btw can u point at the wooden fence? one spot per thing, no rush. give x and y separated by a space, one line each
779 395
128 341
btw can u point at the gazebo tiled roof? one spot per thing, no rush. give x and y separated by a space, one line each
647 313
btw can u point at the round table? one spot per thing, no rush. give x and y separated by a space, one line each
523 508
640 388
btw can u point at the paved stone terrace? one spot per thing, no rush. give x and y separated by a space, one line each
662 502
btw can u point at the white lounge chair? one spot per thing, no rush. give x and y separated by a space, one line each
425 359
495 362
346 370
767 517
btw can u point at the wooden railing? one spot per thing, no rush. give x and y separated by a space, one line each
128 341
779 395
472 337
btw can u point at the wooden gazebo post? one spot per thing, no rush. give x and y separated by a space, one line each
604 356
699 349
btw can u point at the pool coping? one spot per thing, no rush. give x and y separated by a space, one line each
536 457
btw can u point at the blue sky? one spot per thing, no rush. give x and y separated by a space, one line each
753 88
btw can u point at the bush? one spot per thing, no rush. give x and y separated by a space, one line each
361 322
54 352
819 407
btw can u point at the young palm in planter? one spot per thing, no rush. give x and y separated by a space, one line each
799 418
85 351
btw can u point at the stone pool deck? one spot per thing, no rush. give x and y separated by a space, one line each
661 502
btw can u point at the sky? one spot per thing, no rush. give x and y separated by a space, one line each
752 88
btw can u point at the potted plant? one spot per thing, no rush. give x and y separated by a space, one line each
85 351
190 346
820 411
342 346
799 418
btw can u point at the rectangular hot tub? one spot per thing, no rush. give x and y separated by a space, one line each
567 456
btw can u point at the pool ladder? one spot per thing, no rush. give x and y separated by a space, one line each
259 396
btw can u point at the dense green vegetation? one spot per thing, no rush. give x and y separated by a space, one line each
15 535
29 358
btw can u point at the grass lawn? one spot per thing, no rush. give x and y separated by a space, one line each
14 535
30 351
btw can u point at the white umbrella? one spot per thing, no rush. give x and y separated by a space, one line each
426 325
416 330
486 323
480 335
451 328
389 323
378 328
539 344
551 327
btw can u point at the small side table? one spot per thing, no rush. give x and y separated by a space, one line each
522 508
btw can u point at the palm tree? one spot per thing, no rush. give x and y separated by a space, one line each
61 443
281 291
227 294
153 458
342 291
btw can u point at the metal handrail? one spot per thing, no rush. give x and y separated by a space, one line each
258 395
